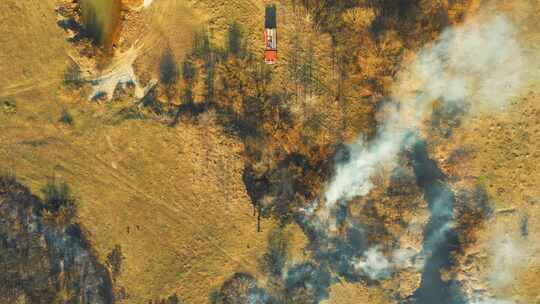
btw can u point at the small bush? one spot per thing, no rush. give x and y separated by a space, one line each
72 75
168 69
278 248
201 45
7 178
188 71
235 40
237 288
131 112
170 300
524 226
8 106
151 103
114 260
66 117
57 196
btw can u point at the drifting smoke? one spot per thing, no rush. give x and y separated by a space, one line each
432 242
401 258
147 3
478 64
375 265
510 257
309 278
353 178
475 67
491 301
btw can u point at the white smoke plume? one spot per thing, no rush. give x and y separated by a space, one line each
479 64
491 301
374 265
147 3
511 256
353 178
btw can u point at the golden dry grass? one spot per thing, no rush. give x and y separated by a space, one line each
179 191
33 47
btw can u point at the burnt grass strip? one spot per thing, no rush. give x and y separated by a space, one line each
441 240
44 255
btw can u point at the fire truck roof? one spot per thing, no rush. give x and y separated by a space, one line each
270 18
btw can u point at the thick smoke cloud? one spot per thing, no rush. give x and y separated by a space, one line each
476 67
353 178
374 264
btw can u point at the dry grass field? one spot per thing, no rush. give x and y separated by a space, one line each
173 197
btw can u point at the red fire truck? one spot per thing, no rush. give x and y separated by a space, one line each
270 35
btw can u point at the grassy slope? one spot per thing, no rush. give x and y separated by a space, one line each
182 187
33 49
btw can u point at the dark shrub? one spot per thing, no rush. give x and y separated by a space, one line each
57 196
235 40
72 75
241 288
188 71
278 246
114 260
168 69
66 117
7 178
8 106
201 45
524 226
172 300
131 112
